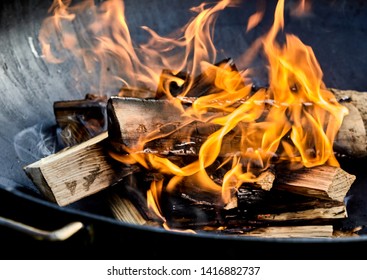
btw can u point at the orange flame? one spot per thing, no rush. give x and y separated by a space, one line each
300 125
254 20
303 8
295 119
153 198
99 40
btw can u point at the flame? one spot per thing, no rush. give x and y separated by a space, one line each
303 8
153 197
254 20
294 120
299 126
98 40
296 86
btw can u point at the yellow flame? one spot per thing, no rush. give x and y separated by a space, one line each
296 85
98 39
153 197
300 125
295 119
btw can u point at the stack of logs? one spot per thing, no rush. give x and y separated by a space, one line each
306 202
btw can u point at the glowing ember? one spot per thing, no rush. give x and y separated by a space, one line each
294 120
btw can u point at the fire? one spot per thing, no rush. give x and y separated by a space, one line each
294 120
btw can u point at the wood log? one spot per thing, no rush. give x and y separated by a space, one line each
131 119
163 126
255 207
124 210
257 201
140 117
325 182
186 216
129 204
352 139
80 120
78 171
277 206
307 231
300 231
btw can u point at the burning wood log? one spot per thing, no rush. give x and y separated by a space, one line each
77 171
201 217
279 205
255 207
132 119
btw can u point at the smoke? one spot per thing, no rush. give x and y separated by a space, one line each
35 142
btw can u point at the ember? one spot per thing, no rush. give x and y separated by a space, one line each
215 152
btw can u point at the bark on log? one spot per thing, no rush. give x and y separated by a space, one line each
76 172
352 139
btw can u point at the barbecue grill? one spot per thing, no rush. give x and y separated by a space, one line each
337 32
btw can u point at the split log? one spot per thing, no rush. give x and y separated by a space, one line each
124 210
325 182
168 131
80 120
78 171
255 201
129 204
255 207
276 206
163 126
132 118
